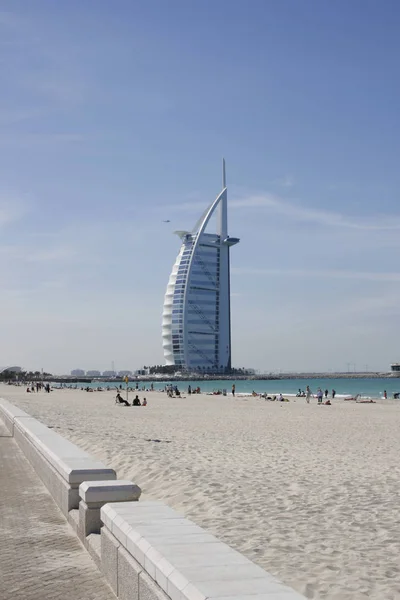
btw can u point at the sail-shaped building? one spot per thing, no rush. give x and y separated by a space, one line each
196 325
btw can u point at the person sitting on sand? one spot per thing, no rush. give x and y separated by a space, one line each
119 399
144 403
136 401
328 402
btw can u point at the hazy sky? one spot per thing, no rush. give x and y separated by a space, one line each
114 116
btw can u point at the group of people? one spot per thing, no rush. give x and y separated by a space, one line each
37 387
320 395
136 401
191 390
173 389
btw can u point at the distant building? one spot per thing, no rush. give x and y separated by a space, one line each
124 373
93 373
78 373
109 373
395 369
11 369
196 326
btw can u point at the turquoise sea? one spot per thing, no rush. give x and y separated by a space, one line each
366 387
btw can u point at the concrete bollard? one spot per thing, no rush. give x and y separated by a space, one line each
94 494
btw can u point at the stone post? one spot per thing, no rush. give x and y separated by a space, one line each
94 494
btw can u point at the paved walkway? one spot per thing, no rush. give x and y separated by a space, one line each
40 555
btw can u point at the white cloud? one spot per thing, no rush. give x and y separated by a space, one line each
294 211
324 273
11 208
286 182
298 212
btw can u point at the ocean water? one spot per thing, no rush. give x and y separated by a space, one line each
372 388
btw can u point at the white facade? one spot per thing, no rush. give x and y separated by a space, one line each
196 318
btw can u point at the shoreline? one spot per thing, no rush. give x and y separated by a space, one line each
207 378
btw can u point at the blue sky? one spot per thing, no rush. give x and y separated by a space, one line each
114 116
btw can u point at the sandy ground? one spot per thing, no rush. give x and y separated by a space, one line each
310 493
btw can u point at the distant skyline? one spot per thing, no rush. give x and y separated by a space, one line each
114 118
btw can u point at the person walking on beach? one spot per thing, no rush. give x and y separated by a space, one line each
233 390
326 393
319 395
333 394
385 394
308 394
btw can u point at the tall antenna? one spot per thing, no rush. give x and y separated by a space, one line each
223 209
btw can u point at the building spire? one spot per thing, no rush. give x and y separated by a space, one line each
223 209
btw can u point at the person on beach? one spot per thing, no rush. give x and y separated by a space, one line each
119 399
333 394
189 390
326 393
136 401
385 394
308 394
144 403
319 395
233 390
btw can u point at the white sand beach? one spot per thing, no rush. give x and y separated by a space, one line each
310 493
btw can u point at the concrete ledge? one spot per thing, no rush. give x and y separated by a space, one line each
9 412
72 463
93 546
128 575
172 557
73 519
120 490
94 494
61 465
109 558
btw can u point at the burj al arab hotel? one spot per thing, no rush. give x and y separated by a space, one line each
196 326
